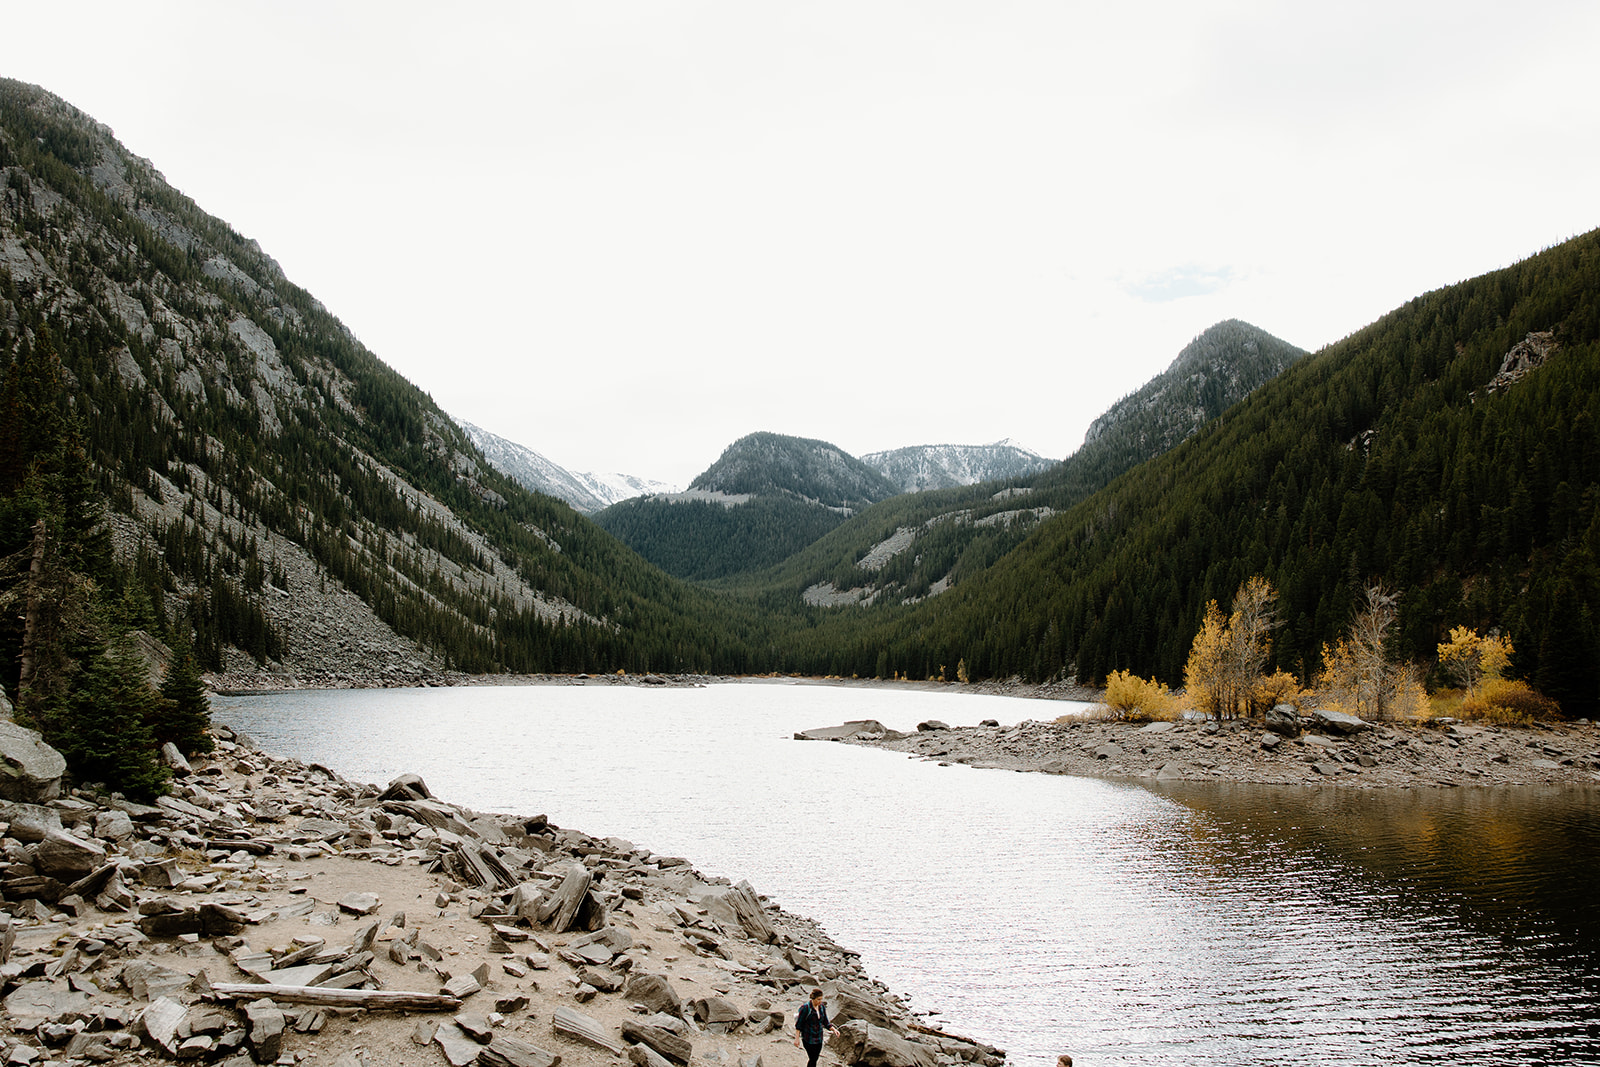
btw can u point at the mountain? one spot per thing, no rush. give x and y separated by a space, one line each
586 492
921 544
274 488
770 463
922 467
1450 451
766 497
1212 373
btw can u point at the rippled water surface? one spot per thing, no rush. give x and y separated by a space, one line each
1181 924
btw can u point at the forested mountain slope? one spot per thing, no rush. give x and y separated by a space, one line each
921 544
1399 455
272 483
766 497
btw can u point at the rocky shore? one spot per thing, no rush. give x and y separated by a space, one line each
1319 750
268 911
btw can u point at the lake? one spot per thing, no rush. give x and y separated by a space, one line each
1130 924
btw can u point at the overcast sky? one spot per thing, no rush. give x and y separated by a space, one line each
627 233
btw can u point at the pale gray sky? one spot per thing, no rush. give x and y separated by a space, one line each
625 233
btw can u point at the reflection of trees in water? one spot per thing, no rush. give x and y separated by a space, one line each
1513 862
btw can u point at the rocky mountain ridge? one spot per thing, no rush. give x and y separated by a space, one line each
917 468
1208 375
585 491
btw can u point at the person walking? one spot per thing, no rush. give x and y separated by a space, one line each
810 1023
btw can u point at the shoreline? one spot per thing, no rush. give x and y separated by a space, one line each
1381 755
140 929
265 683
1441 753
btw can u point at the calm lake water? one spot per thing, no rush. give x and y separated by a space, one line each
1179 924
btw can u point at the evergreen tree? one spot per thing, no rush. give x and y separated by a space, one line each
102 727
185 712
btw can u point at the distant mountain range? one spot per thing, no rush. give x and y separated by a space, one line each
586 492
922 467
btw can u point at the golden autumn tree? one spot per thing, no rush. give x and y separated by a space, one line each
1358 678
1468 660
1229 656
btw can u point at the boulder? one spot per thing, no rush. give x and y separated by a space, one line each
859 1042
716 1011
866 729
673 1047
173 758
1159 727
30 770
1283 719
1109 750
1338 722
655 992
929 725
33 1004
29 822
63 854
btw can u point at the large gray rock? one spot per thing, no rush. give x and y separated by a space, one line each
267 1022
62 854
29 822
1283 719
867 729
1338 722
30 770
655 992
35 1003
859 1042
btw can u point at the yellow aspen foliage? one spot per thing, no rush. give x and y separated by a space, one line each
1203 673
1506 702
1469 660
1357 677
1138 699
1227 658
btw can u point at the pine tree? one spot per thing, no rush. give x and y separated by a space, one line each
102 727
185 713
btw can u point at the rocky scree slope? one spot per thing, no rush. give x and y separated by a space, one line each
271 912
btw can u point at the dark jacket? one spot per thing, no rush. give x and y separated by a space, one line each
811 1023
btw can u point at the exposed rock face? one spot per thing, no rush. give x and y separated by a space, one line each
1526 356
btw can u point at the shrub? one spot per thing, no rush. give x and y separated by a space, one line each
1271 690
1501 700
1140 700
